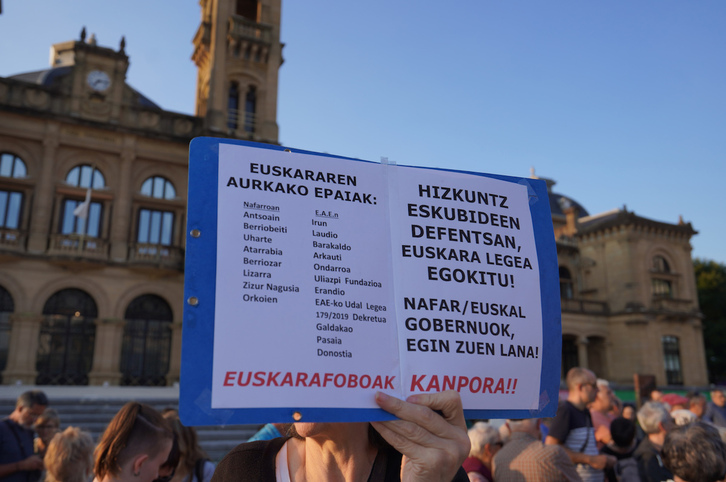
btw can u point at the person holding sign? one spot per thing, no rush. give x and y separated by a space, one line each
428 442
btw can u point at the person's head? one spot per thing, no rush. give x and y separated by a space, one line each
485 442
695 453
189 449
718 397
47 425
604 396
526 425
683 416
29 406
69 457
135 444
629 411
168 468
697 404
655 395
622 432
582 386
654 418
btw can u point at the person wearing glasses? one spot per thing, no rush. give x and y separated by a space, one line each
572 427
485 442
134 446
18 462
46 426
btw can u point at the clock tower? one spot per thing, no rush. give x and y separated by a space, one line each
238 54
97 79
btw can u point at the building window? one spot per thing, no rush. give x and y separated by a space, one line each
660 265
155 227
250 109
570 357
566 289
247 9
83 176
86 176
146 347
66 341
11 203
158 187
672 360
12 166
662 288
233 106
7 306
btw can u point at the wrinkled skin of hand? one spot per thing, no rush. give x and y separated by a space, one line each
433 445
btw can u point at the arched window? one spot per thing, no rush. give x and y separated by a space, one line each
158 187
86 176
66 341
672 360
662 279
660 265
7 306
566 287
79 221
12 166
251 109
233 106
11 202
147 342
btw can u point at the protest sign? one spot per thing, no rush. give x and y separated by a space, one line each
313 281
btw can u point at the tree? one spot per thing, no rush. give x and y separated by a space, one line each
711 285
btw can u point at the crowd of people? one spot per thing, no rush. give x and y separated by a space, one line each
140 444
593 437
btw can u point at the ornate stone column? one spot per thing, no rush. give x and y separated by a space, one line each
23 349
582 343
43 194
106 367
175 357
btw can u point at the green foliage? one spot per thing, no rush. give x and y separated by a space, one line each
711 284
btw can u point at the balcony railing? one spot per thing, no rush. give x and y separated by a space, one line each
584 306
12 240
75 245
157 254
241 28
661 303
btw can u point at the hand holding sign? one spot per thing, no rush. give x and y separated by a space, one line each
433 445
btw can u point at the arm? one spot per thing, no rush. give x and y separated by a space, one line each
598 462
433 444
31 463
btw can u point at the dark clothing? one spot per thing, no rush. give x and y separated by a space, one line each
16 444
255 461
473 464
650 465
715 414
607 450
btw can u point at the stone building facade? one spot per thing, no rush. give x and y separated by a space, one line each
628 295
93 179
97 299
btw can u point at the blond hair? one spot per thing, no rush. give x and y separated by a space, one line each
69 457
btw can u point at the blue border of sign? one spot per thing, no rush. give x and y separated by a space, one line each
195 391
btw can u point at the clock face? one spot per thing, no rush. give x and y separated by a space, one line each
98 80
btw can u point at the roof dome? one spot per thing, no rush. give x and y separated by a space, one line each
559 202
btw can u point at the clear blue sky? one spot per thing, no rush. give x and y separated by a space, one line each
622 102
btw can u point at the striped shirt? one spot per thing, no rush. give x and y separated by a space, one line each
573 428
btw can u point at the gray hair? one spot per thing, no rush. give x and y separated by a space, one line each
480 435
651 415
601 382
